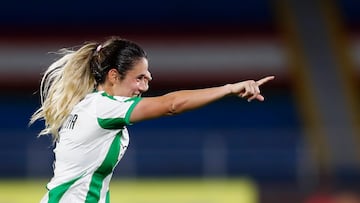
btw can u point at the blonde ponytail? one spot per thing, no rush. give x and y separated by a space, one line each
64 84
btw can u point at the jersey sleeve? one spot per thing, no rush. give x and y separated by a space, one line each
114 112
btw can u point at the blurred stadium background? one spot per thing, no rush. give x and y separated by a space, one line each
302 144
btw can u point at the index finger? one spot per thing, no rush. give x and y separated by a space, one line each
264 80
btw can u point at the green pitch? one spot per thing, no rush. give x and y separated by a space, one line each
147 191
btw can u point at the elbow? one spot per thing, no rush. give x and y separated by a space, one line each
172 110
176 107
174 104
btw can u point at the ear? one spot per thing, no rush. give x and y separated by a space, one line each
113 75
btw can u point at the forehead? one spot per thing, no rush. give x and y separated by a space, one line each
140 68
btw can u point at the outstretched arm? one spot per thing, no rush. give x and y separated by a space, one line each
184 100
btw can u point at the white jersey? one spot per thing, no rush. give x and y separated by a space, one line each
92 141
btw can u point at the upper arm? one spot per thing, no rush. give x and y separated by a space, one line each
150 107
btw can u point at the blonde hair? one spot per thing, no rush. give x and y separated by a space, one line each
64 84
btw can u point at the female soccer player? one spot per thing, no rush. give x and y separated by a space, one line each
89 96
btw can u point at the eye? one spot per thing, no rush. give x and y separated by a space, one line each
139 78
143 78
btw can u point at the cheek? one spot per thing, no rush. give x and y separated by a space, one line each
129 84
135 85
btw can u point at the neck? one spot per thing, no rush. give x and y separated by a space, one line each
105 88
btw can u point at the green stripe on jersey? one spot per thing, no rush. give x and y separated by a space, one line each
128 113
109 96
107 197
118 123
111 123
56 193
104 170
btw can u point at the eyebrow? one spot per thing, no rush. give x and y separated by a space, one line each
146 76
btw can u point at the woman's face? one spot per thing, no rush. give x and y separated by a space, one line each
135 82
